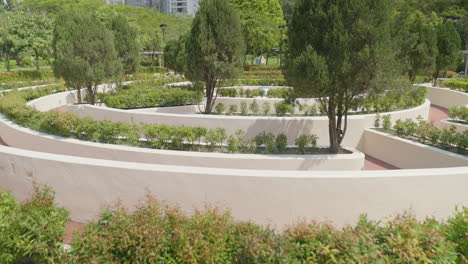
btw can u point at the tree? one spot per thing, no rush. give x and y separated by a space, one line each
337 51
259 21
10 35
175 54
125 42
416 39
215 47
35 29
84 52
448 44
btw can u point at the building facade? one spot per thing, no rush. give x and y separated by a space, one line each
170 7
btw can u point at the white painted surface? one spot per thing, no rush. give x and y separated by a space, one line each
407 154
446 123
445 97
21 137
85 186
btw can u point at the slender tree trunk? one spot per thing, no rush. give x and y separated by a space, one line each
435 76
91 94
37 60
268 56
78 94
332 129
8 60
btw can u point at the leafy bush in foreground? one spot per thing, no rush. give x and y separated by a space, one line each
154 232
31 230
157 233
459 113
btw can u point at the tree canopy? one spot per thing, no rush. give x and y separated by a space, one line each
85 55
337 51
260 20
215 47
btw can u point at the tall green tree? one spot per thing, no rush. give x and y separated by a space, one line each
215 47
175 54
259 21
125 42
448 45
84 52
337 51
416 40
35 31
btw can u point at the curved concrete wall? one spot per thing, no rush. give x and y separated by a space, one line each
446 97
20 137
407 154
447 124
291 126
85 186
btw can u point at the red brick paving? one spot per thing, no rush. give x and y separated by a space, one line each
372 163
437 113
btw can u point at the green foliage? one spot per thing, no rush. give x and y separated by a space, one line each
266 108
281 142
447 138
387 123
175 54
283 107
456 231
260 20
236 142
459 113
305 142
220 108
377 120
244 108
232 109
215 47
136 96
336 56
32 230
457 84
85 54
254 107
216 137
448 44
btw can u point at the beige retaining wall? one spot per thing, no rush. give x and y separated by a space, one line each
407 154
292 127
445 97
447 124
20 137
85 186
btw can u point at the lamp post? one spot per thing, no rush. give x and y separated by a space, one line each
281 27
163 28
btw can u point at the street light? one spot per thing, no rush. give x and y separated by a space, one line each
281 27
163 28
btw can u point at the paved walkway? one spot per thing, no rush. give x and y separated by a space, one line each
372 163
437 113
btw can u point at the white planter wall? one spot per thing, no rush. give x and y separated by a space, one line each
278 198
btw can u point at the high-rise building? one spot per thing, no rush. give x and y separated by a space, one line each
170 7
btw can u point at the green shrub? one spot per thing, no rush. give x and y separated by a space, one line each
236 142
305 142
459 113
227 92
456 231
282 108
244 108
377 120
279 92
216 137
266 108
254 108
220 108
457 84
387 123
232 109
31 231
281 143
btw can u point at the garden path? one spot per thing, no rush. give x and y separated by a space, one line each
437 113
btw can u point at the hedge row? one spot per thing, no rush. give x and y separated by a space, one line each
13 105
249 93
154 232
427 133
394 100
25 76
20 84
459 113
149 93
458 84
